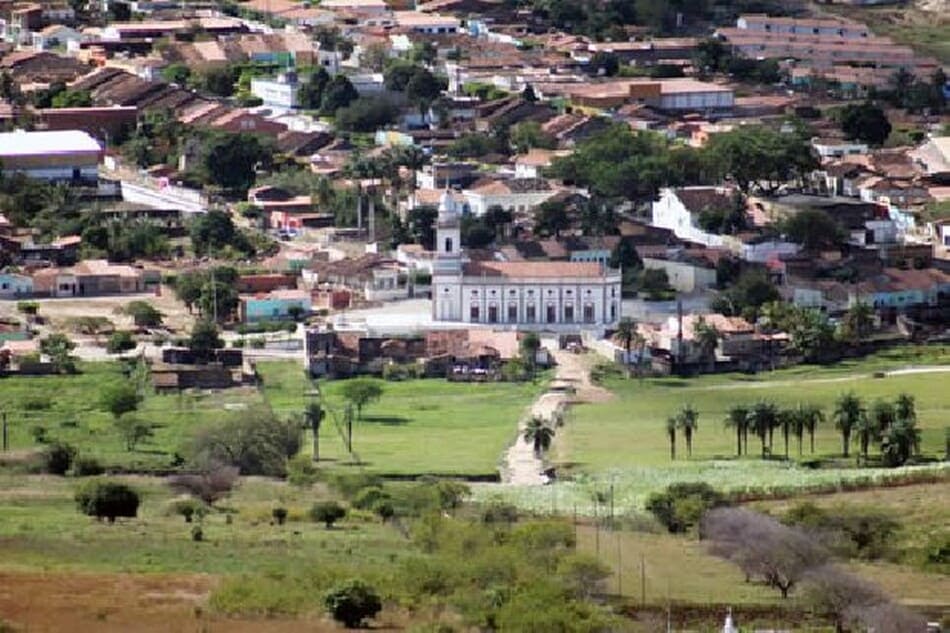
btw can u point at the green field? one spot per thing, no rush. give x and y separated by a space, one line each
419 426
68 408
623 442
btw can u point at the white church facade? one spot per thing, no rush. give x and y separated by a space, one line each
555 295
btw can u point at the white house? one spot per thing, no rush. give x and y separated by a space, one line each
519 194
67 155
676 208
55 35
837 148
279 92
684 276
428 23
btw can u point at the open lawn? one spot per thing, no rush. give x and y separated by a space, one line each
67 408
427 426
623 440
926 31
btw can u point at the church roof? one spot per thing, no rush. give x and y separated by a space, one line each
533 269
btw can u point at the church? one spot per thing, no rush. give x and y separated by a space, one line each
550 295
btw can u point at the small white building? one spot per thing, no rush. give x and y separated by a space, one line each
278 92
518 194
428 23
67 155
838 148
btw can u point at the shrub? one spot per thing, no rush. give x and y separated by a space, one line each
238 342
280 515
107 499
384 509
368 497
197 534
36 403
258 342
39 434
58 457
327 512
853 532
348 484
189 509
682 505
209 485
500 513
302 472
119 342
87 467
352 602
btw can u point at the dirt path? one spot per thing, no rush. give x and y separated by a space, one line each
931 369
522 467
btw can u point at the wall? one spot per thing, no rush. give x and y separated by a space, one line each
684 277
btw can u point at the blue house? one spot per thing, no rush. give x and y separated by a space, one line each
14 286
275 306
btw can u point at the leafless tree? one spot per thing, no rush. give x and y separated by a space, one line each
838 595
762 547
209 484
887 617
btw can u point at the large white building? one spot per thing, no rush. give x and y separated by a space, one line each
67 155
555 296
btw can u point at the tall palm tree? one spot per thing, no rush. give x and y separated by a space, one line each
413 158
762 420
904 408
738 419
798 422
858 321
688 420
812 416
847 415
786 422
538 433
671 424
902 441
883 415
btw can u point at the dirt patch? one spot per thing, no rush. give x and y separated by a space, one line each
85 602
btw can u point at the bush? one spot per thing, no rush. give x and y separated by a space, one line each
348 484
107 499
280 515
189 509
119 342
383 508
87 467
39 433
58 457
258 342
352 602
682 505
302 472
197 534
852 532
36 403
238 342
327 512
368 497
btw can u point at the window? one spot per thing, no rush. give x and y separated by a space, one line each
529 313
493 313
473 314
448 245
588 313
613 311
512 313
551 313
568 314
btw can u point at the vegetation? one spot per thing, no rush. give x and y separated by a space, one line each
107 500
353 602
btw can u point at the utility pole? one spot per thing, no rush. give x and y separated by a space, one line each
214 296
348 415
643 582
620 564
6 441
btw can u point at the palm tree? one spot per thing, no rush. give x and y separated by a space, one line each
902 441
867 431
786 422
883 414
847 415
538 433
627 333
688 420
798 422
671 424
858 321
738 419
811 417
762 420
413 158
904 408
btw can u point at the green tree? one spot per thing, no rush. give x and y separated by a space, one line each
857 323
361 391
707 338
352 602
253 440
120 341
229 160
119 398
529 345
176 73
204 339
327 512
762 420
671 425
688 420
143 313
188 287
848 415
424 88
865 122
133 430
219 81
529 135
814 229
212 231
107 500
58 347
758 157
810 418
539 435
339 93
900 442
738 419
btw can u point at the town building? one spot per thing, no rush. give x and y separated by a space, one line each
530 295
70 155
276 305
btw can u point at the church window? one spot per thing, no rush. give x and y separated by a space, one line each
529 313
473 314
613 311
568 314
448 245
589 313
551 313
493 313
512 313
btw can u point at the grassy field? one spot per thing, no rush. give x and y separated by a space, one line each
927 32
418 427
67 407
